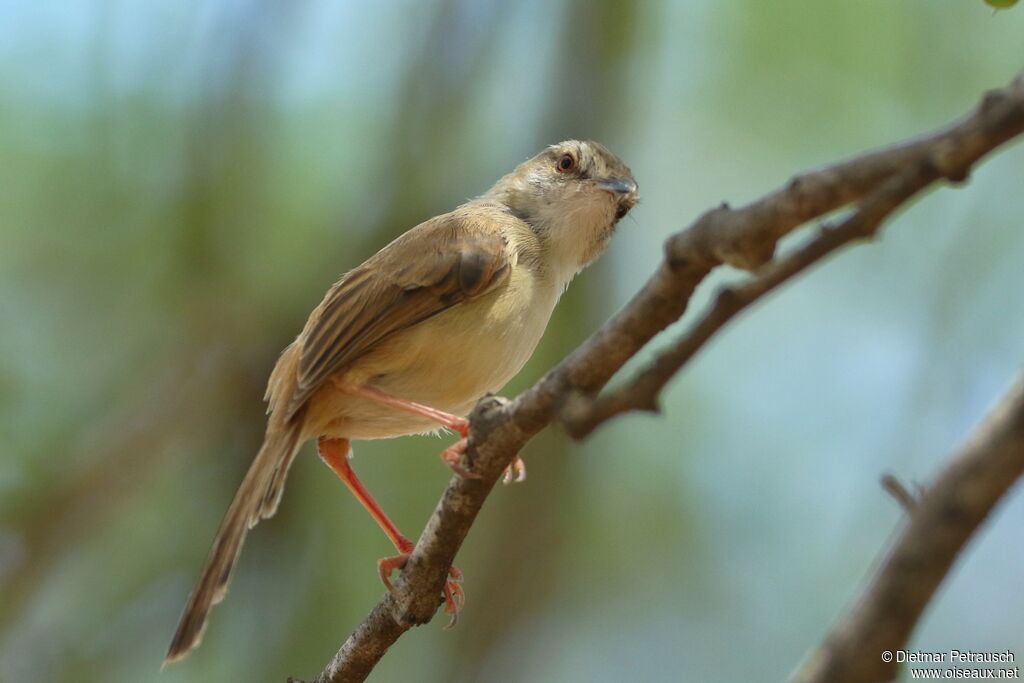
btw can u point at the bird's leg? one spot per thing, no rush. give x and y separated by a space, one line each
452 422
451 455
335 453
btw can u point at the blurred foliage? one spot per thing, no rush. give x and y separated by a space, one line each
182 182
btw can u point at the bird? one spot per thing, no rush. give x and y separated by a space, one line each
408 341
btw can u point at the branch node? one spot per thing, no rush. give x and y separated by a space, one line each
993 99
945 161
727 297
575 413
649 404
747 254
687 250
895 488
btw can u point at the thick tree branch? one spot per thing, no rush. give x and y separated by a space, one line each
744 237
941 522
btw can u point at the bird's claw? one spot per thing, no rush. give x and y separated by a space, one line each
452 457
515 472
454 594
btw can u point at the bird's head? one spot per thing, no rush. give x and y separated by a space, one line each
572 195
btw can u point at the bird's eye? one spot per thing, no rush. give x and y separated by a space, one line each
566 163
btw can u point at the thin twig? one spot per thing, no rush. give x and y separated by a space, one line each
900 493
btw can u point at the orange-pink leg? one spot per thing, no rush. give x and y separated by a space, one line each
335 453
452 422
451 455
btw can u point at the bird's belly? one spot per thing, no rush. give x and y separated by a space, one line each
449 361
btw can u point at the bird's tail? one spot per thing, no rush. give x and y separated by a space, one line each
266 474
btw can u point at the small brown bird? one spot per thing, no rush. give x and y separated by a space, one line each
408 341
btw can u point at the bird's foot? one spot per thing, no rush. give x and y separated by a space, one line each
516 472
452 457
453 593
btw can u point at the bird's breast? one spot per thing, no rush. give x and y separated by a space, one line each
452 359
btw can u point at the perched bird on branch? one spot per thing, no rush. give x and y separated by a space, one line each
408 341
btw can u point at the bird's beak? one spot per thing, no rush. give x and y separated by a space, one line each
620 186
624 191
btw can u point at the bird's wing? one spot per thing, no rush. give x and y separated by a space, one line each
431 268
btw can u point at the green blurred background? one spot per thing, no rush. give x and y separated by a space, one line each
181 181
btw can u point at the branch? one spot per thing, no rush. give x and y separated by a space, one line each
581 416
746 238
940 524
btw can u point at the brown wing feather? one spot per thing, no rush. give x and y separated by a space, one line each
429 269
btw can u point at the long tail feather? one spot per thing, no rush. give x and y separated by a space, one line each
248 507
